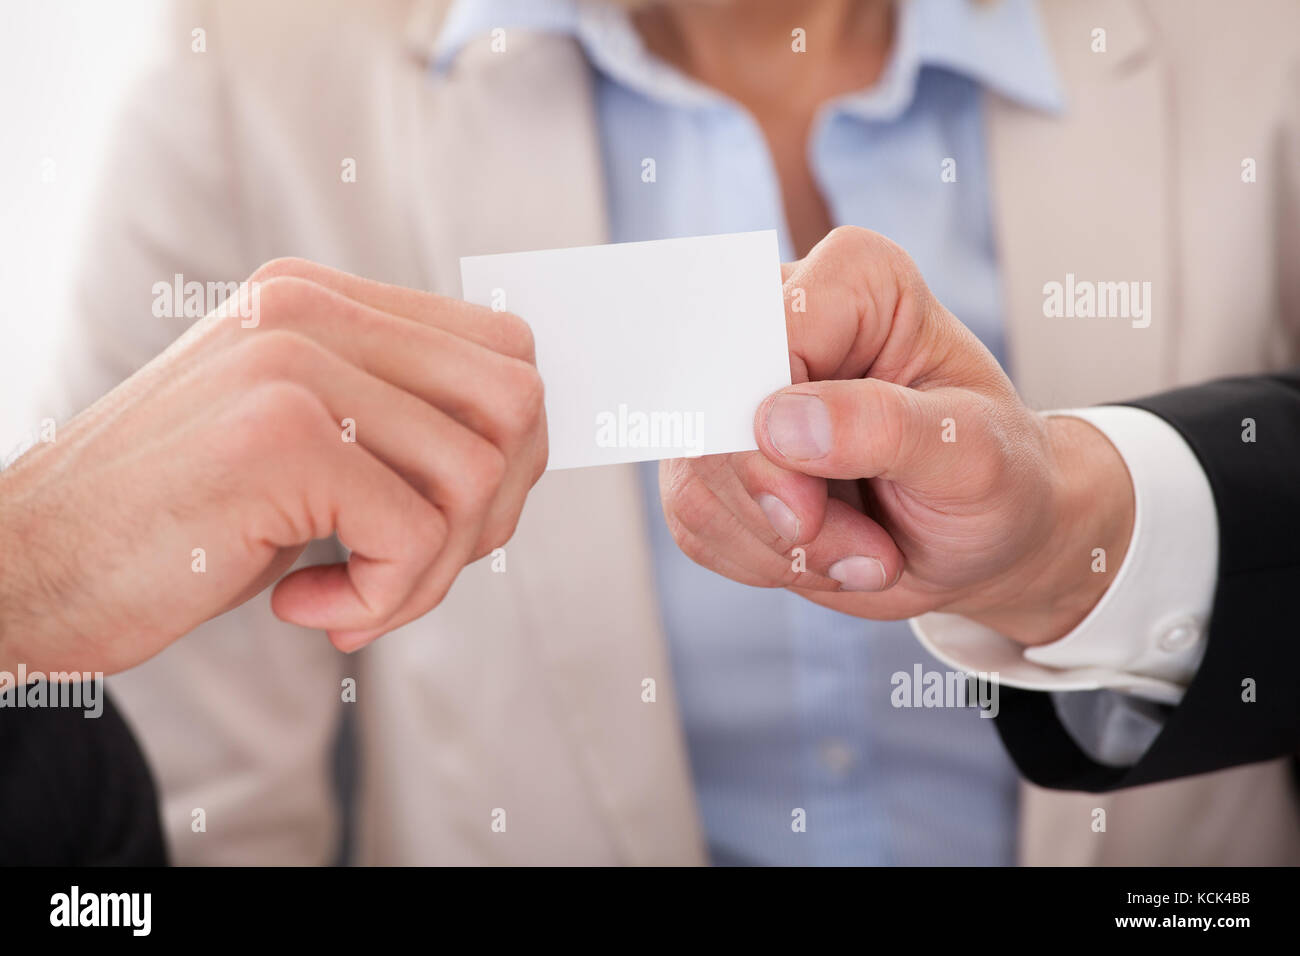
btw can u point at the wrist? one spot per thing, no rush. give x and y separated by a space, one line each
1092 514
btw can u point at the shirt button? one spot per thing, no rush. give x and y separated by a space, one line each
1179 635
836 755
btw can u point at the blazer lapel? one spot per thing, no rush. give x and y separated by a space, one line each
1086 194
1083 198
507 159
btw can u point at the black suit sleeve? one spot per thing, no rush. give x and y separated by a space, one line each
75 790
1254 629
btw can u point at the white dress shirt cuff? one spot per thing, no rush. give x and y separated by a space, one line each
1146 634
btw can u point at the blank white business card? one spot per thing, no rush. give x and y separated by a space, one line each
661 349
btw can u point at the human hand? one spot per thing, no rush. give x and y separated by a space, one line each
904 467
234 441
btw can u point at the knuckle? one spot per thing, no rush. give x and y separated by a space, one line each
858 244
880 419
281 267
891 411
284 297
856 240
482 468
516 336
500 530
691 507
490 470
520 334
523 397
898 415
510 413
428 528
541 455
848 236
272 415
863 247
276 354
384 608
295 405
504 332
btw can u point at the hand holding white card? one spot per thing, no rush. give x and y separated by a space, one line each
648 350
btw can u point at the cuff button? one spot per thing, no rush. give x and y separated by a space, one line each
1179 635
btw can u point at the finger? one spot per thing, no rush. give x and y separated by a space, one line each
502 332
456 470
478 489
854 551
852 294
310 486
790 504
718 524
867 428
496 396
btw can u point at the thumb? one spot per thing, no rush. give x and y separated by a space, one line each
864 428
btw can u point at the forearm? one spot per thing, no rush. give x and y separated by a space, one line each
17 557
10 603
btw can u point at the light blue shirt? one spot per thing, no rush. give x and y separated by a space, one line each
787 706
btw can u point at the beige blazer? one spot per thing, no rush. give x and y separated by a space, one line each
522 692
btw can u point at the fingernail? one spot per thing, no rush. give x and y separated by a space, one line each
858 573
799 426
779 516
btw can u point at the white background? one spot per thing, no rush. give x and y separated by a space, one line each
64 66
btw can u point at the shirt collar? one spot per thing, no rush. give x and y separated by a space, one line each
998 44
471 20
